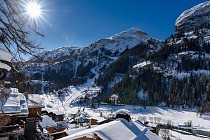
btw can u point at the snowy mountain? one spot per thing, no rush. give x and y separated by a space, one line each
77 65
196 17
175 75
121 41
58 54
138 68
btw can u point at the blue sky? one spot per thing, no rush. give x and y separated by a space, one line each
81 22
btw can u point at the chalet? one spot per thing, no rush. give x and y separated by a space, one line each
48 124
35 105
119 129
99 120
58 135
122 128
14 121
45 111
56 118
123 113
114 99
155 128
56 115
95 120
13 113
61 126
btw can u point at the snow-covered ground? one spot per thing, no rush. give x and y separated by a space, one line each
178 136
176 116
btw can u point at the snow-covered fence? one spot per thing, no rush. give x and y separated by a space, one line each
142 118
156 120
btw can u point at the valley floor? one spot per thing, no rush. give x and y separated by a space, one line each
176 117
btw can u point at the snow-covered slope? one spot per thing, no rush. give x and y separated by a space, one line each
163 115
174 73
191 43
58 53
114 44
80 64
119 42
196 17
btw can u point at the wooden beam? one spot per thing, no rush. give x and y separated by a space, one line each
9 126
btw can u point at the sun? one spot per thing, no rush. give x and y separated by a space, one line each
33 9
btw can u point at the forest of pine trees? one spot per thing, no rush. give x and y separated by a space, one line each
190 91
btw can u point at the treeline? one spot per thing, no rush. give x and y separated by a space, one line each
65 73
192 91
147 80
124 63
189 56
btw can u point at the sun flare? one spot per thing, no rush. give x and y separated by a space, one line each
33 10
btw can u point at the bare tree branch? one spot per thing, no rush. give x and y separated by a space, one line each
16 30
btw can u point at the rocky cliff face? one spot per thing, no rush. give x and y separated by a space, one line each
195 18
121 41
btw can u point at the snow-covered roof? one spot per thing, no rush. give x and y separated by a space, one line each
5 66
146 131
58 112
5 56
123 111
99 119
35 100
62 124
14 102
47 122
75 130
114 96
48 110
117 130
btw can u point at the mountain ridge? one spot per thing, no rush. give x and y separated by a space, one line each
195 17
81 64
